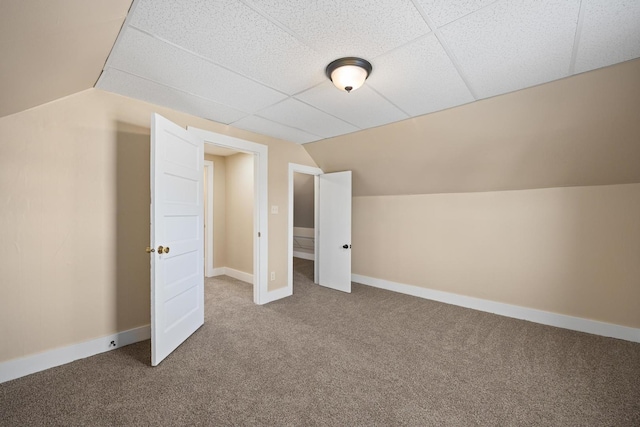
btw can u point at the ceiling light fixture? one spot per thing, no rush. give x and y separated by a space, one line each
348 74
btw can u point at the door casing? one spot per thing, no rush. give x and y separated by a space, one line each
208 230
261 294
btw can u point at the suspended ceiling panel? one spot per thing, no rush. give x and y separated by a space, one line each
259 65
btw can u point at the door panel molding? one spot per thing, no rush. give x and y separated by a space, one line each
177 222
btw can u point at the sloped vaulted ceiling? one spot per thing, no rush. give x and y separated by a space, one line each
583 130
54 48
259 64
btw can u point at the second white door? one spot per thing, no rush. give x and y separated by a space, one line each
334 238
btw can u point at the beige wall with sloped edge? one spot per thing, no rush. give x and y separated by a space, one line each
573 250
219 210
51 49
239 212
74 209
579 131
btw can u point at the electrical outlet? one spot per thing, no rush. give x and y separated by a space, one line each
273 275
274 209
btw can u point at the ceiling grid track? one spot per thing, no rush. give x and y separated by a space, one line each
391 102
195 95
576 41
204 58
277 23
289 126
261 64
443 43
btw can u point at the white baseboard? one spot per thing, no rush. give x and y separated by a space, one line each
217 272
304 255
237 274
538 316
17 368
277 294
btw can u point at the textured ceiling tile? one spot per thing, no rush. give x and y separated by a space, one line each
301 116
236 37
610 33
364 28
419 78
142 55
442 12
113 80
363 108
512 45
267 127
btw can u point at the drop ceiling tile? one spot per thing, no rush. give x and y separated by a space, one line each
267 127
419 78
610 33
512 45
142 55
364 28
442 12
363 108
236 37
117 81
306 118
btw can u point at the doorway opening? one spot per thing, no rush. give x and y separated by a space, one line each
245 151
302 230
229 207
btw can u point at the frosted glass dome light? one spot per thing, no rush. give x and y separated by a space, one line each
348 74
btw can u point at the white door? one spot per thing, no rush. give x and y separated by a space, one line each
334 224
177 212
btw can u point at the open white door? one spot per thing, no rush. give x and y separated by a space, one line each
177 212
334 238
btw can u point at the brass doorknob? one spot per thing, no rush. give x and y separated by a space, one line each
162 249
149 250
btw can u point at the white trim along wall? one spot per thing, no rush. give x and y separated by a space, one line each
22 366
538 316
208 164
231 272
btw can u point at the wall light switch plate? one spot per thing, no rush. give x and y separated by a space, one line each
273 275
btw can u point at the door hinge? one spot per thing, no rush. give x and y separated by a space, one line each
258 234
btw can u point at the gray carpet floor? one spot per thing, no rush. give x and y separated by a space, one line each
322 357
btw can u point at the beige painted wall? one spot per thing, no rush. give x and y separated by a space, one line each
51 49
74 209
579 131
219 210
239 212
303 200
574 251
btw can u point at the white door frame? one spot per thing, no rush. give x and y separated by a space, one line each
208 262
260 218
309 170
